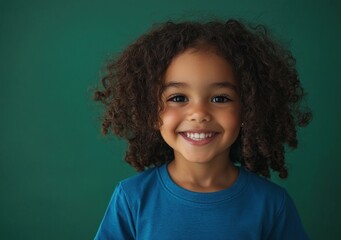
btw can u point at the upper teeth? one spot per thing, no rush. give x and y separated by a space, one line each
198 136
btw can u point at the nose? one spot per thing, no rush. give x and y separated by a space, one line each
199 112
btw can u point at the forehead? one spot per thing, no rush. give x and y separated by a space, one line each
195 67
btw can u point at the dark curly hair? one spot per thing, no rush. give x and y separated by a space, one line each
270 92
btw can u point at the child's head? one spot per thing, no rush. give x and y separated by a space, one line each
201 116
268 89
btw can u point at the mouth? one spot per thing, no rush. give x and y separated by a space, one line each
198 137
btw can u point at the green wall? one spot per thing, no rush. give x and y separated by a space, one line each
57 172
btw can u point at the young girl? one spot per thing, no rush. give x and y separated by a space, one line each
206 109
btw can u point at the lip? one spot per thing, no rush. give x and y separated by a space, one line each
202 142
199 131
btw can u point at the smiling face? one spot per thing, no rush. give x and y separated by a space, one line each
201 116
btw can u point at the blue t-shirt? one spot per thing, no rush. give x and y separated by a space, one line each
151 206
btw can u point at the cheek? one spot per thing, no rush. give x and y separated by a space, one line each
231 119
170 118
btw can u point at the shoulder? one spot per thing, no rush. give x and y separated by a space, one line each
265 192
140 183
263 185
279 208
140 178
276 206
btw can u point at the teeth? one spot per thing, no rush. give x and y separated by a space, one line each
199 136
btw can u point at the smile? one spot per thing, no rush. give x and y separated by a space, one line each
199 137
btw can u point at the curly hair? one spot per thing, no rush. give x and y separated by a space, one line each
270 92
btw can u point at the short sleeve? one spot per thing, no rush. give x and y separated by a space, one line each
117 222
287 224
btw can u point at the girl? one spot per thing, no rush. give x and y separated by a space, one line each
206 109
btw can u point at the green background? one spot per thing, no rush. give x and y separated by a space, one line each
57 172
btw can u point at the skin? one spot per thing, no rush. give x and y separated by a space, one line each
201 96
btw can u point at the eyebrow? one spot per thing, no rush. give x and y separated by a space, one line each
215 85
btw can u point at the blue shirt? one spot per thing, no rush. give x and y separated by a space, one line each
151 206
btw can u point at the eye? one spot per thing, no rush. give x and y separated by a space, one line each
177 98
220 99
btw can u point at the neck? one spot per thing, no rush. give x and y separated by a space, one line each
203 177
